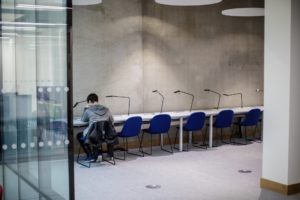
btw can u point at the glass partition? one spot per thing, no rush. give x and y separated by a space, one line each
35 99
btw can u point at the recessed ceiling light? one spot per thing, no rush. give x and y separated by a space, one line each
86 2
244 12
187 2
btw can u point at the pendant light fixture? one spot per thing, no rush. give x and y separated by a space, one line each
86 2
244 12
187 2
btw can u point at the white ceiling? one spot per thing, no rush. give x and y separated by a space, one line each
187 2
244 12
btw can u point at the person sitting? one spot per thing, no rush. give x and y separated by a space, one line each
94 112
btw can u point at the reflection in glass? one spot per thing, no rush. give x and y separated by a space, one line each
34 99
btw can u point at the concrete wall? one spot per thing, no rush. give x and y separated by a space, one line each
108 56
131 47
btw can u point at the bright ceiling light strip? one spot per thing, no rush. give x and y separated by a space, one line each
187 2
25 28
9 34
41 7
30 24
41 36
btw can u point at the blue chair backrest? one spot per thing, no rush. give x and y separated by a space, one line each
195 122
224 119
132 127
252 117
160 124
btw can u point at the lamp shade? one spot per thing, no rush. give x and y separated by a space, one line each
187 2
86 2
244 12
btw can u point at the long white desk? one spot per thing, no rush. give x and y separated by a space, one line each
180 116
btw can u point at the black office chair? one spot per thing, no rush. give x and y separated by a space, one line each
100 133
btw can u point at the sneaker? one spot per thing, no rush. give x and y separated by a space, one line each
89 159
99 159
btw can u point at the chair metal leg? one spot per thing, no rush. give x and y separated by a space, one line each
222 140
188 141
141 146
82 163
203 146
259 138
254 133
122 149
231 133
144 152
111 160
127 149
175 142
151 145
205 136
78 153
161 147
245 137
170 142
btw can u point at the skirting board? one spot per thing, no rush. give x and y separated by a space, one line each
280 188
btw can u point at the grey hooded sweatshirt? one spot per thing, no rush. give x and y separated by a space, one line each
94 114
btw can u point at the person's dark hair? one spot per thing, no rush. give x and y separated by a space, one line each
92 98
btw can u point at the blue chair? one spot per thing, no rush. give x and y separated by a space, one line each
224 120
194 123
251 119
159 124
131 128
59 128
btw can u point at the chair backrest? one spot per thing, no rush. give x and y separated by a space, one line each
102 131
58 126
132 127
224 119
195 121
160 124
252 117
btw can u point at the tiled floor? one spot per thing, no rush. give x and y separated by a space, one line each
194 175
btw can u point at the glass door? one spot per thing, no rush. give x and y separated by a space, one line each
35 100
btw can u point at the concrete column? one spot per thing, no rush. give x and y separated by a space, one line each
281 148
